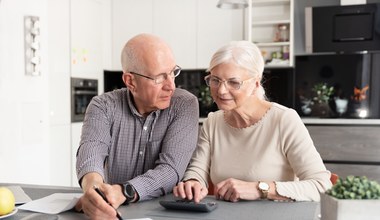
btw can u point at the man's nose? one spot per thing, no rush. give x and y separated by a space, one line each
169 82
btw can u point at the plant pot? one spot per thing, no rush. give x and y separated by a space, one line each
322 110
346 209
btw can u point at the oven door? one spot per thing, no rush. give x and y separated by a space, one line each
82 91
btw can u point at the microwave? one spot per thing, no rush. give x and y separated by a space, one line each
349 28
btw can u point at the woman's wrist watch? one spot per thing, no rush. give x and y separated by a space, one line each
129 192
264 188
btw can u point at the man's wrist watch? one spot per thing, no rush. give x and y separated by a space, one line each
264 188
129 192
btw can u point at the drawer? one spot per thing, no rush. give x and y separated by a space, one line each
343 170
347 143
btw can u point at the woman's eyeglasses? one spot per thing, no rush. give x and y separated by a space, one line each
215 82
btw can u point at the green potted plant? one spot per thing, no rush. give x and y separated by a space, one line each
206 103
351 198
321 98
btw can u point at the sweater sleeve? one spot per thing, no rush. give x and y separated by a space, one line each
199 167
303 157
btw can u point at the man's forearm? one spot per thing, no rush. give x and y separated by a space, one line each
91 179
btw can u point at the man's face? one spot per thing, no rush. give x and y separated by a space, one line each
149 95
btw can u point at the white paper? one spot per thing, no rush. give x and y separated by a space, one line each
20 196
139 219
53 204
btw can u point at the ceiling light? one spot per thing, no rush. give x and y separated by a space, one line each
232 4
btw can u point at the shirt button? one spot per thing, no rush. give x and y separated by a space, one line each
145 128
141 153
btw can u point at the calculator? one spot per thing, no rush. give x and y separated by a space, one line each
189 205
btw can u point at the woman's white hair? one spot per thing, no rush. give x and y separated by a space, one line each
244 54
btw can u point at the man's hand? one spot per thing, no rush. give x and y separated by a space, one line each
190 189
93 205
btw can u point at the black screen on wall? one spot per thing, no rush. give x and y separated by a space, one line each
353 27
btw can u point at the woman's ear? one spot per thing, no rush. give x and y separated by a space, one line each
128 81
256 86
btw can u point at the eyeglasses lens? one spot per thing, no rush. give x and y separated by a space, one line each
162 77
230 84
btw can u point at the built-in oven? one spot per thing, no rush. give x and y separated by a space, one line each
82 91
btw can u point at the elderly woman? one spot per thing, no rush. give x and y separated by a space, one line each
251 148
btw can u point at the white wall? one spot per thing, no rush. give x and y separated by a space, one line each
35 122
24 111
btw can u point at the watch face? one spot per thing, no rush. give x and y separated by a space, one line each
263 186
129 191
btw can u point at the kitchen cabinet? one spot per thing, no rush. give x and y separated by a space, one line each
215 28
59 92
86 34
129 18
76 132
348 149
270 26
176 22
193 29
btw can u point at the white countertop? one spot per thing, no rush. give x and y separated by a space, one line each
333 121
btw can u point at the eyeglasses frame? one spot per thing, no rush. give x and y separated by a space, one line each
224 82
176 67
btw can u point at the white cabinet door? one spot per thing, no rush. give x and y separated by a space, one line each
176 22
215 28
86 38
59 61
129 18
193 29
76 131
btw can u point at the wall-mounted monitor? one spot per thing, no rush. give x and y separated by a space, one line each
349 28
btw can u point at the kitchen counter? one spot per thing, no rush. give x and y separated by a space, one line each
332 121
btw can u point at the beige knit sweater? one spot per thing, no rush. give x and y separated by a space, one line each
277 148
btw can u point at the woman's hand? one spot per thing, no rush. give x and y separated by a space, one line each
234 190
190 190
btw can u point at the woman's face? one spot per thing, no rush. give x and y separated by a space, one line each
231 85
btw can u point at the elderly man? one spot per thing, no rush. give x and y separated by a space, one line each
137 142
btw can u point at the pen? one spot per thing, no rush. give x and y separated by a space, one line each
105 199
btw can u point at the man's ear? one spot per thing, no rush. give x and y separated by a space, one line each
128 81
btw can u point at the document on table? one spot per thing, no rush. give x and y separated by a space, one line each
20 196
53 204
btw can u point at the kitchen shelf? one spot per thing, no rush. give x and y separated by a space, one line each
272 44
270 21
262 27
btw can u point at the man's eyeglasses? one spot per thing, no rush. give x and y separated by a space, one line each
163 76
234 84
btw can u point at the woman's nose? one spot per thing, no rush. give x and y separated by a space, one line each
222 87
